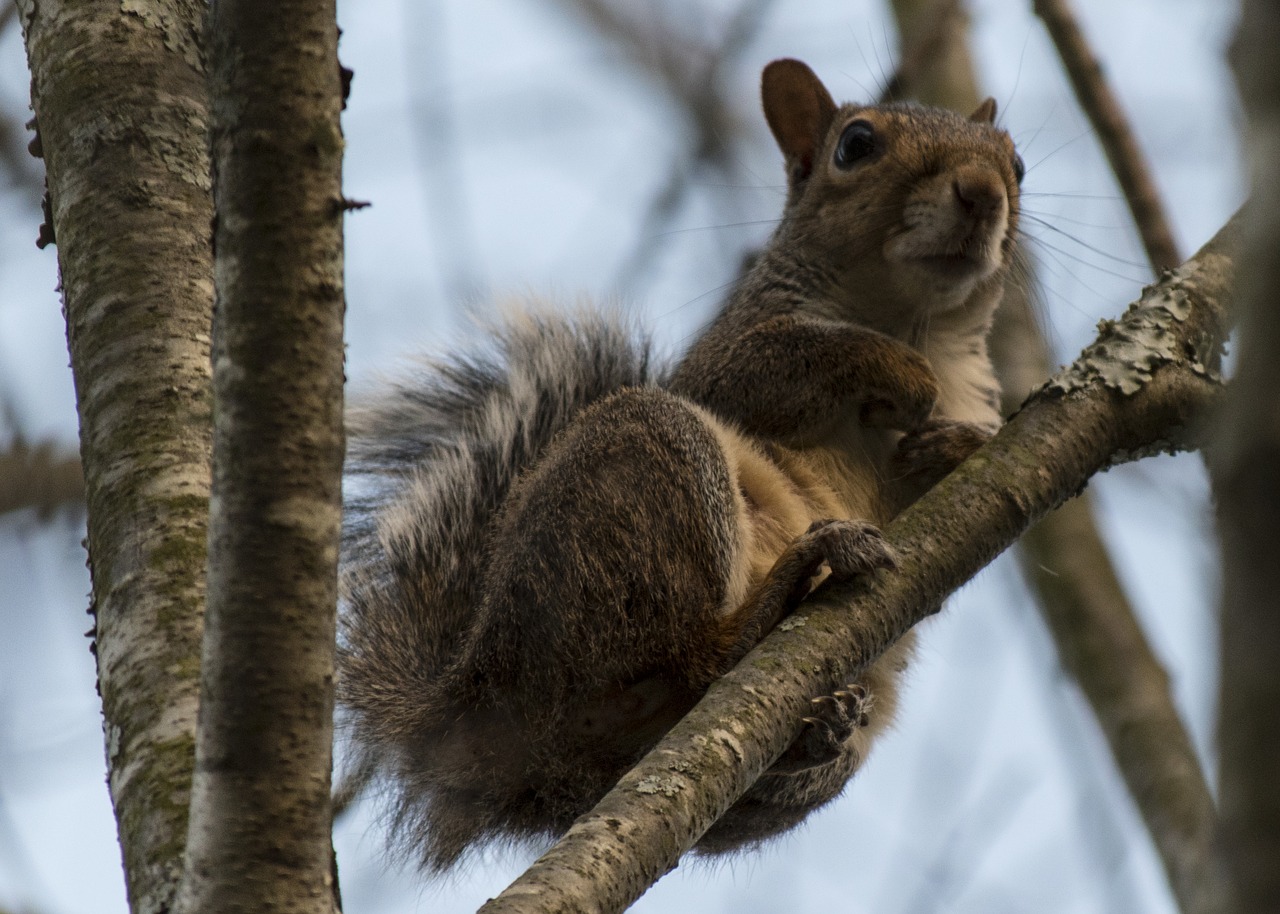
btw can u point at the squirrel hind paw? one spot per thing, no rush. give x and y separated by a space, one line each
850 547
824 738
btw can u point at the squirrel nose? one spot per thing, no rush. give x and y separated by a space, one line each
979 191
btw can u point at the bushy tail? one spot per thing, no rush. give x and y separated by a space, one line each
431 457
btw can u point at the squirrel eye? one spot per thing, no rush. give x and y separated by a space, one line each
857 142
1019 168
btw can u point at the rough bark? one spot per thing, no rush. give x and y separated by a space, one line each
1097 634
1247 485
120 98
260 814
1134 391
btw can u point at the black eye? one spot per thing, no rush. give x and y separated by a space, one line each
1019 168
857 142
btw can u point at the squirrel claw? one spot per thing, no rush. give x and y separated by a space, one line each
833 720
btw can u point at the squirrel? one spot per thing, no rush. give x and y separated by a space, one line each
553 545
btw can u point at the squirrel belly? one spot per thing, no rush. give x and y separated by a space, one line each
554 546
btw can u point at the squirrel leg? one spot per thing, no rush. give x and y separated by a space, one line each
846 547
805 779
849 373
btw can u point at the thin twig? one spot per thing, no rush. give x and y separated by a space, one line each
1113 130
689 72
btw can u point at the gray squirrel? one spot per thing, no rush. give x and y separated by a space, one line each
553 545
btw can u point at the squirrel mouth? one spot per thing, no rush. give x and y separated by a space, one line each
961 265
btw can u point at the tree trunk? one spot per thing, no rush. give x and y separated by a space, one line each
260 814
120 99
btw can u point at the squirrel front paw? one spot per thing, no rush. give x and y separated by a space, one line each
929 453
833 719
900 388
936 448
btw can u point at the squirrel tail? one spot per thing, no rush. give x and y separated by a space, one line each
431 457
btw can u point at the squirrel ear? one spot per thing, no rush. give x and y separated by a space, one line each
986 113
799 110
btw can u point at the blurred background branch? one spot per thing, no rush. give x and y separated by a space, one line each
1247 485
17 166
43 476
690 71
1113 131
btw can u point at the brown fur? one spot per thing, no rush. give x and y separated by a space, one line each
663 532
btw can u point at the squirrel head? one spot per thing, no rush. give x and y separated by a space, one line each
912 210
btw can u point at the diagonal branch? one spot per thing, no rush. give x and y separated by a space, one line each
1108 119
1129 393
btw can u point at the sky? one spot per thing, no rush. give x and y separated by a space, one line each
508 153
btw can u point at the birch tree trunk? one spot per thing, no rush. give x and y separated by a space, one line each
120 99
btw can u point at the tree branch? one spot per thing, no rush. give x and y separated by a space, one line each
260 816
122 106
1116 398
689 73
1113 130
40 477
933 55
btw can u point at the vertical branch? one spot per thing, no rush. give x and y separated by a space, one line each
120 97
1113 130
1248 490
933 60
1079 593
260 814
